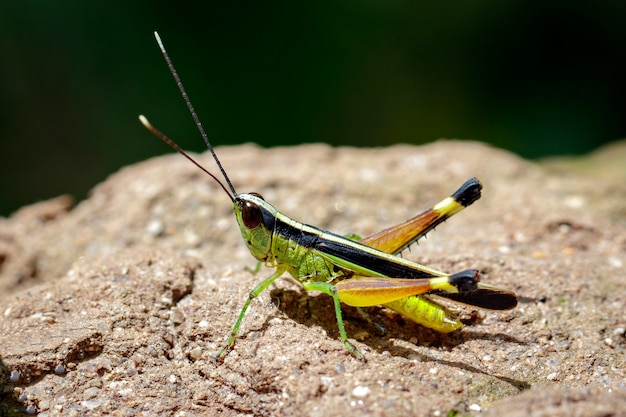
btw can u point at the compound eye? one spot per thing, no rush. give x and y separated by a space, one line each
257 195
251 215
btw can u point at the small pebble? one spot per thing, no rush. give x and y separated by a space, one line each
43 404
361 391
326 381
15 375
615 262
155 228
340 368
91 404
192 239
563 344
195 353
475 407
176 316
92 392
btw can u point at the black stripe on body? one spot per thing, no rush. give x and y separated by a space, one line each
268 219
368 260
348 250
304 238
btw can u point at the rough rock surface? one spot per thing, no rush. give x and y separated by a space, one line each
117 305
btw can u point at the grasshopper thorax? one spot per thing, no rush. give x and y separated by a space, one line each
257 220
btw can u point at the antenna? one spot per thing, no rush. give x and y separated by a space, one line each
144 121
195 119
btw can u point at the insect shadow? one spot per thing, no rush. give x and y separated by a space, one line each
318 310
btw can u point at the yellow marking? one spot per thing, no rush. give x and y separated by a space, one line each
443 284
448 206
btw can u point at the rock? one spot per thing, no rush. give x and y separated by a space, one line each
118 304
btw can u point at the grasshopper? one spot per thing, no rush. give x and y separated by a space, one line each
357 272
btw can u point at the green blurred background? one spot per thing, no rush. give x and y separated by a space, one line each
537 77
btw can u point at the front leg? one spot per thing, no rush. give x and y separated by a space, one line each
253 294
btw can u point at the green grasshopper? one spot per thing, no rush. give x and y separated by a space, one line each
358 272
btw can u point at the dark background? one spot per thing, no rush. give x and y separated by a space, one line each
539 78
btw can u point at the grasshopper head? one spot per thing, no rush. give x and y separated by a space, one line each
256 219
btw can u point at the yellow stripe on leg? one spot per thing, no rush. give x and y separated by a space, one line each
448 207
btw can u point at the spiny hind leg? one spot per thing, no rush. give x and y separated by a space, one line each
399 237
